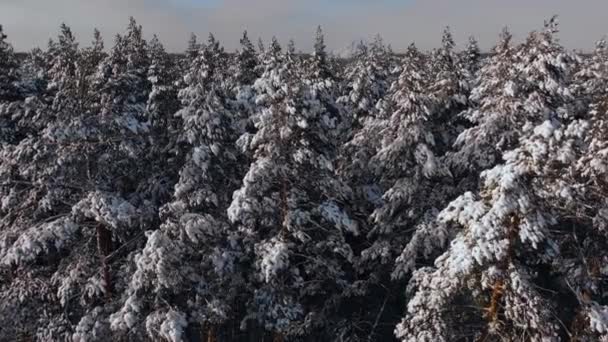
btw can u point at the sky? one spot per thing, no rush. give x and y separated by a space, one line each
30 23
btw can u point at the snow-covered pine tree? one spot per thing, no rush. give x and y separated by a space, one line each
160 111
470 61
295 59
193 48
77 183
319 75
291 47
261 46
9 68
270 60
355 155
124 180
63 81
581 205
36 202
409 173
449 88
90 59
588 87
187 274
122 80
319 66
367 81
246 71
500 258
496 113
9 90
290 208
246 62
33 73
209 68
162 101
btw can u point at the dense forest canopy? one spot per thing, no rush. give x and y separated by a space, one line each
268 195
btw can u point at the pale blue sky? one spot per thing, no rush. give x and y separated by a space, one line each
31 23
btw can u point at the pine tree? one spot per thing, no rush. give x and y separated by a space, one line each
193 47
246 62
122 80
162 101
496 112
471 61
90 59
291 47
145 196
503 238
588 86
242 97
449 88
33 73
80 198
295 236
319 75
578 187
357 152
409 171
63 79
367 81
193 255
9 92
8 70
319 67
209 68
